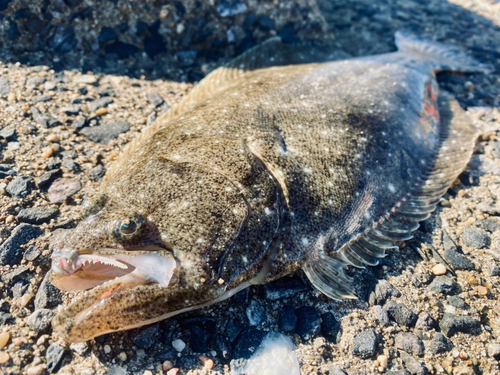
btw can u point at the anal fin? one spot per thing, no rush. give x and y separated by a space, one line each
457 137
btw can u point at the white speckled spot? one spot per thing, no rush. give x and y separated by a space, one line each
391 188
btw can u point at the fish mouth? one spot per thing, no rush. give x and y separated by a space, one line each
74 270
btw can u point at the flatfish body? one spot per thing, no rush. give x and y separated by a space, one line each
261 171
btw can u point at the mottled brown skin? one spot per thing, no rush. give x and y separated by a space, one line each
246 181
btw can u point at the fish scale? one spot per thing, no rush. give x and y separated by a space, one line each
267 167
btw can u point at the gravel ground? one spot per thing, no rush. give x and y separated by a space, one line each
431 307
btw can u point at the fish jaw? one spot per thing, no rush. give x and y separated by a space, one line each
107 309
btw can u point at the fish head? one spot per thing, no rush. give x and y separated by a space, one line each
149 252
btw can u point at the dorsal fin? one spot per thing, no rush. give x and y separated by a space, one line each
443 56
272 52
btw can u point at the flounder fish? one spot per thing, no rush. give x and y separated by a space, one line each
270 165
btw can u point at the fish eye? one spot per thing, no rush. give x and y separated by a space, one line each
128 228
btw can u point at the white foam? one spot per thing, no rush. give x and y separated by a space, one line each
274 356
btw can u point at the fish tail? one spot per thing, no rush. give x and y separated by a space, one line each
326 271
443 56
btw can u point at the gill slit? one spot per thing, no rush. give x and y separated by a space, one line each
283 208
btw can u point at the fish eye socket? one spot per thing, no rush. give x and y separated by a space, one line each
128 228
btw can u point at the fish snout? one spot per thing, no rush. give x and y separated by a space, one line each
65 261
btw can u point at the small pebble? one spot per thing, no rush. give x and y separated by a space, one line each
207 362
365 344
178 345
444 285
381 315
256 313
173 371
412 364
53 138
457 302
106 132
494 270
167 365
35 370
4 357
48 152
107 349
481 290
155 98
319 342
475 238
439 269
145 337
4 339
20 187
122 356
382 360
401 314
97 172
79 347
494 351
451 324
458 261
99 103
62 189
40 319
473 281
410 343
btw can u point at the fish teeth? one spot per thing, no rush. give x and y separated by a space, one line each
84 260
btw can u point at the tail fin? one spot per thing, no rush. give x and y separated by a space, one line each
445 57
